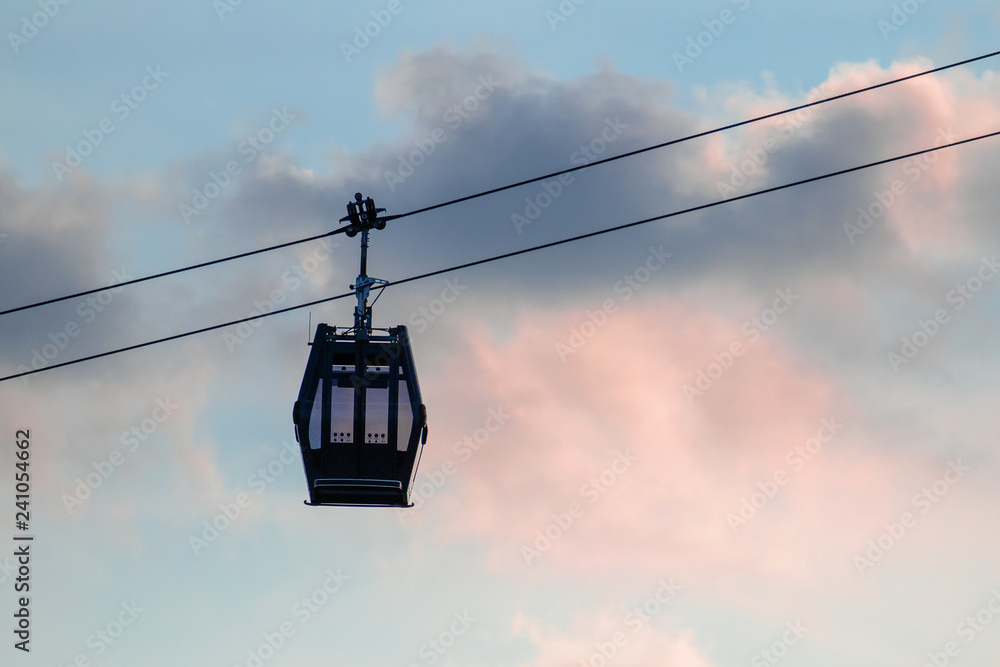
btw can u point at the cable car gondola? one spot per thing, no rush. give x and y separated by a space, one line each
359 418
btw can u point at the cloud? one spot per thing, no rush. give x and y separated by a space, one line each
54 240
604 469
622 389
769 480
124 450
609 635
471 121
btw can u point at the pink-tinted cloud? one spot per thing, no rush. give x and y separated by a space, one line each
606 468
610 637
919 199
140 436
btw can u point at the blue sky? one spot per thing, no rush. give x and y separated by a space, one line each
228 70
736 460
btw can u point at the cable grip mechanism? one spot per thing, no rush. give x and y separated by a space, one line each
362 216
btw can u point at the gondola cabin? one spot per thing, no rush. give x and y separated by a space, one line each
359 419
